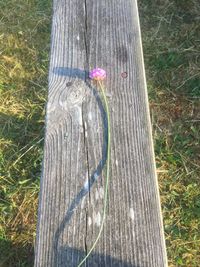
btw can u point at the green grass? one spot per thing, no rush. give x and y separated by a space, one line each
171 40
24 49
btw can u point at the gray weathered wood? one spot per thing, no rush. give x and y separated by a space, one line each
88 34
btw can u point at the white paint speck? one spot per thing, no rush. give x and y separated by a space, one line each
116 162
86 185
89 221
101 192
79 116
78 38
96 194
108 94
95 176
83 203
131 214
97 218
90 116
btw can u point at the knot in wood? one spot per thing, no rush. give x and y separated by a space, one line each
73 95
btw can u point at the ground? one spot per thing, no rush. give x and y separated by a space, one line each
171 41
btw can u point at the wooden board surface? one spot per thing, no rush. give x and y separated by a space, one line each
88 34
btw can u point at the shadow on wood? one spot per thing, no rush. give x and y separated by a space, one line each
76 73
67 256
69 72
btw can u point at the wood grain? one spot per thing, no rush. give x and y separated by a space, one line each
88 34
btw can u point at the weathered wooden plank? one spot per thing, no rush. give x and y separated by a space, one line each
88 34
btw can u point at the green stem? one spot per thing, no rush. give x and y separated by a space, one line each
107 178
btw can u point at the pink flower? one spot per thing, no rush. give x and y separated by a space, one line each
97 74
